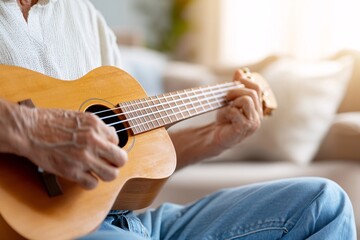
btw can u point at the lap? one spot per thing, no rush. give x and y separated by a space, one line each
259 211
271 210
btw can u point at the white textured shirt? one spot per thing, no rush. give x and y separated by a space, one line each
61 38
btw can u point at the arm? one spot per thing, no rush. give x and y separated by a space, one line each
76 146
9 139
235 122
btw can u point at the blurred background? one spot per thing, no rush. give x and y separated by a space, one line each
229 32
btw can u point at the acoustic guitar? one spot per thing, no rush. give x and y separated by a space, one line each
37 205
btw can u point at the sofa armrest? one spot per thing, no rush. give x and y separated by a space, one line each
343 139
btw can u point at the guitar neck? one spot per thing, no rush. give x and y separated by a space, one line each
165 109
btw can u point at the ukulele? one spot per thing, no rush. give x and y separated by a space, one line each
38 205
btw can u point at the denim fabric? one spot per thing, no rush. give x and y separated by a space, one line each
303 208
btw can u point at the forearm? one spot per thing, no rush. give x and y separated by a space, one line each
195 144
10 138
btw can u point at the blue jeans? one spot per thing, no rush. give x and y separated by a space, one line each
302 208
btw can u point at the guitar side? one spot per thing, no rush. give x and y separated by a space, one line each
25 205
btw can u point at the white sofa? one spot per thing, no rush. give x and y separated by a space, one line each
336 155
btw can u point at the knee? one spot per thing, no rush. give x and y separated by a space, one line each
325 206
324 190
328 197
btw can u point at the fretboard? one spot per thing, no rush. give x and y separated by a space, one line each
157 111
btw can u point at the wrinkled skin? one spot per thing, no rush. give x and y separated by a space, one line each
76 146
242 117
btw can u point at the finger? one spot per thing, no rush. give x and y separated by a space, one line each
103 170
107 132
237 118
98 146
112 135
241 124
87 161
239 75
112 154
249 83
90 161
246 106
77 174
241 92
88 181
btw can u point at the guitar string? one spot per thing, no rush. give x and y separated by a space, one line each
166 109
182 92
136 104
143 123
161 104
194 108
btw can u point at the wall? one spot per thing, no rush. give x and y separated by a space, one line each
205 15
118 13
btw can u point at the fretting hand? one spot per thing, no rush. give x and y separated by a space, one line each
242 117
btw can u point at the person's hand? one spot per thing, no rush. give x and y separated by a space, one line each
242 117
74 145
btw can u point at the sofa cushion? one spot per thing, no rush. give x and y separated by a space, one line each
343 138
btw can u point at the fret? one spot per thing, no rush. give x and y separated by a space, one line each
158 111
144 117
161 112
129 116
183 108
166 110
178 102
152 110
194 111
139 118
155 109
209 104
198 100
215 104
216 99
148 112
134 117
223 102
170 112
175 104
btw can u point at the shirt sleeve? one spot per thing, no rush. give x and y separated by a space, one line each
110 53
109 49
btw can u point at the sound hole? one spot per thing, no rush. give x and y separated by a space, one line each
102 111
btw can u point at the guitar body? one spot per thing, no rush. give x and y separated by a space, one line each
25 206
